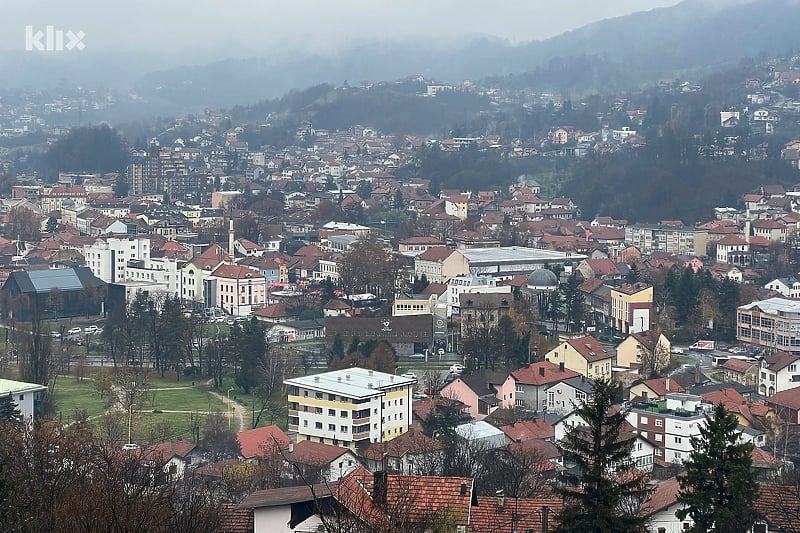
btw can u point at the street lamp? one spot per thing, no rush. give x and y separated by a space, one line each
230 409
130 421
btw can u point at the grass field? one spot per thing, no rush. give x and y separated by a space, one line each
71 395
194 399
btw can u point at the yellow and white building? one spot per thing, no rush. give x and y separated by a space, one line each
352 407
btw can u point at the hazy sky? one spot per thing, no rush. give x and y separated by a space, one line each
210 29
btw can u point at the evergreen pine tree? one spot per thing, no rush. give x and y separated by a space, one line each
605 494
719 486
9 411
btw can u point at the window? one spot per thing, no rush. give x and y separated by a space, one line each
580 396
331 412
21 397
658 437
331 427
643 420
343 414
678 440
401 401
659 423
318 395
318 425
305 423
319 410
344 429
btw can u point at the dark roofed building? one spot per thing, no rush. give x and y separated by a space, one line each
60 293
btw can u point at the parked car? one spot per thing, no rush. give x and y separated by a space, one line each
91 330
409 375
417 356
55 334
130 447
457 368
74 331
230 321
450 377
419 396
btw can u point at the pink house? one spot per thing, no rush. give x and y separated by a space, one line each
482 391
237 289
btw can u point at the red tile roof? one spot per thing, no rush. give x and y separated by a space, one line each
602 267
307 452
665 494
662 386
515 514
412 499
526 430
236 272
779 505
411 442
236 520
731 240
788 398
589 348
739 365
251 440
169 449
542 373
435 253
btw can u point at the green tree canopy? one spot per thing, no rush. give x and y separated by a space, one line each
719 486
606 494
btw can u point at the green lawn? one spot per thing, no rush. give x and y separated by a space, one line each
71 396
156 427
195 399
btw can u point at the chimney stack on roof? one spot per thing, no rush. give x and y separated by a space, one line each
381 488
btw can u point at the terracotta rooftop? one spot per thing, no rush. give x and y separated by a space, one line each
251 440
542 373
589 348
169 449
515 514
287 495
435 253
665 495
663 386
526 430
411 442
419 498
314 453
234 519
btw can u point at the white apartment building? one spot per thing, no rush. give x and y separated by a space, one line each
352 407
779 372
108 257
160 270
23 395
471 285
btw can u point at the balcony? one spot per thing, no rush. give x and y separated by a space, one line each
360 421
293 412
292 427
361 436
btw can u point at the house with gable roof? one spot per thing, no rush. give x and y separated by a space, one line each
584 355
642 346
176 456
531 382
410 453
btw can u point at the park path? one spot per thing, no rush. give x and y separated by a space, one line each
238 409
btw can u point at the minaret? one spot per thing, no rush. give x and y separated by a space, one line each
231 251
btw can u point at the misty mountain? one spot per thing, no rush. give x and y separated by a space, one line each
691 36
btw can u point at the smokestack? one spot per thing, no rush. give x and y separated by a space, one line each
666 384
541 371
291 447
231 251
381 488
501 500
545 519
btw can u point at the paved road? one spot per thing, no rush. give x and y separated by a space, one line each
238 409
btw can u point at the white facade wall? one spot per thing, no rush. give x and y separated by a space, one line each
108 258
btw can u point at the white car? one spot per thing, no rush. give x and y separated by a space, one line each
457 368
74 331
409 375
91 330
55 334
130 446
